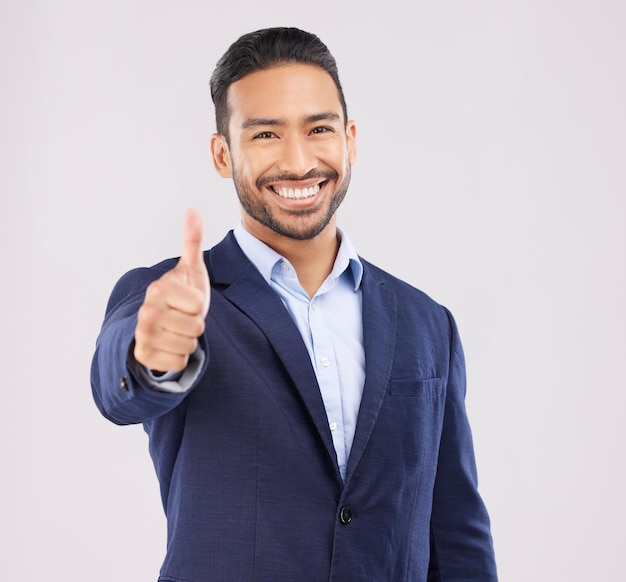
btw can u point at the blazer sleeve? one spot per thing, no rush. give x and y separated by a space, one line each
121 392
461 543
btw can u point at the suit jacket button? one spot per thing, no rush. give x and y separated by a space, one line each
345 515
124 384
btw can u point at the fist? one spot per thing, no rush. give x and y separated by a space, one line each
172 315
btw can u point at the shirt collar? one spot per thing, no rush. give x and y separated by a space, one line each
264 258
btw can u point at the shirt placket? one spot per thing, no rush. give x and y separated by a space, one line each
327 373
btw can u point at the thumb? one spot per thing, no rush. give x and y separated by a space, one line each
191 262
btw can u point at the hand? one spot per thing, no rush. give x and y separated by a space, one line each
172 315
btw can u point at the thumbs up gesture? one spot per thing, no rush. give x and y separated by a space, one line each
172 315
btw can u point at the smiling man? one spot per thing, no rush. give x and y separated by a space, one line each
305 409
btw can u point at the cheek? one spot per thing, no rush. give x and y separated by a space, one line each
254 164
334 155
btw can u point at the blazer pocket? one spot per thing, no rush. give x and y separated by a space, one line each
416 388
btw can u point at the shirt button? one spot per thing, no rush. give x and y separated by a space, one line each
332 424
313 305
325 362
345 515
284 266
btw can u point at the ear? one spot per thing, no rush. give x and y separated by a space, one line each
221 156
351 141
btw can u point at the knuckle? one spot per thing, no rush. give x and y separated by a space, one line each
191 346
198 327
145 325
141 335
150 315
154 289
157 290
142 355
178 363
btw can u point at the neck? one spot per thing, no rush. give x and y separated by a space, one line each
312 259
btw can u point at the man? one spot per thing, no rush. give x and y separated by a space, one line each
310 424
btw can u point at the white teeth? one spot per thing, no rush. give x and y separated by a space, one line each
297 193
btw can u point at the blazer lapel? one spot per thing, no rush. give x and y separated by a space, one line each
245 287
379 335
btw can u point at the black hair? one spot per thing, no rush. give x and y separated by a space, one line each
264 49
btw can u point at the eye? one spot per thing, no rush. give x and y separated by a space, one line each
321 129
264 135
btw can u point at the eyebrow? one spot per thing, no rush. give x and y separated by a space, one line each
326 116
265 121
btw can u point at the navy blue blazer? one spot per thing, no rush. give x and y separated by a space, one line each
245 460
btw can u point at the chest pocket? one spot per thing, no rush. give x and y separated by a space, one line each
429 388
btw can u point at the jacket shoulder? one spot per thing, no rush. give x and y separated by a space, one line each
135 282
402 290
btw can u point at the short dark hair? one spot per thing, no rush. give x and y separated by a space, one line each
264 49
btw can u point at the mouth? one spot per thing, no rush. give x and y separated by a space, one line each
297 193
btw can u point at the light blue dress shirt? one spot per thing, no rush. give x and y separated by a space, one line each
331 326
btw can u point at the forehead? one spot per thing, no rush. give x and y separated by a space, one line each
288 92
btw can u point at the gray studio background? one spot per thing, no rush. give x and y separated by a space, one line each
491 174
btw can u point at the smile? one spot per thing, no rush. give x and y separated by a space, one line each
297 193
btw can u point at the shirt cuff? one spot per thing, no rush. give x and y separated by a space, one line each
173 382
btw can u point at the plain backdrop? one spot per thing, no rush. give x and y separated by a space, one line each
491 174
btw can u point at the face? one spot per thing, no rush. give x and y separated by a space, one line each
289 151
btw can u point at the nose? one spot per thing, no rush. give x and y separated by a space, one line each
297 157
